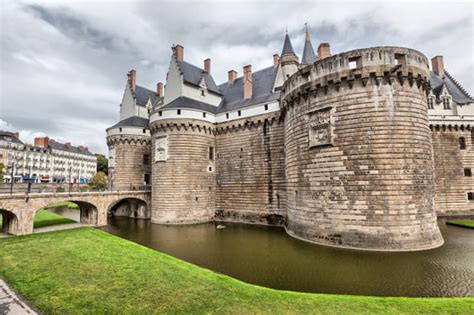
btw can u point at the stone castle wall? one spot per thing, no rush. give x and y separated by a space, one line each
451 184
129 169
250 170
183 188
358 152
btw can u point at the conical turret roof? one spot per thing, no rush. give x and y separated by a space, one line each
287 47
309 56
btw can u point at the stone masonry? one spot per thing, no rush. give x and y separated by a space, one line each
358 153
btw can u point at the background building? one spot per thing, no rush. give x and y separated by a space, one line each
47 161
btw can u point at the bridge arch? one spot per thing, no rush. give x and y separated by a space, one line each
88 212
130 207
9 223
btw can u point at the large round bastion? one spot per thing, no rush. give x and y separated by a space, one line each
359 153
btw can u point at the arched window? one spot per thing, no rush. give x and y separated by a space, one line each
462 143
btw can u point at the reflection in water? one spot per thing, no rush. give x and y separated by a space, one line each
267 256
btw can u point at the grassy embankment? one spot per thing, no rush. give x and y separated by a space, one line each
45 218
462 223
89 271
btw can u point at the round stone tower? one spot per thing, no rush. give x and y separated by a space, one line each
359 152
129 145
183 181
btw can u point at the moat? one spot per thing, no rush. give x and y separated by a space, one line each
267 256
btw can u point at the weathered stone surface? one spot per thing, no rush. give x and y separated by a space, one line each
129 170
183 188
367 182
251 185
451 184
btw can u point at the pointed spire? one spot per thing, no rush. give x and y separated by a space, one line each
287 47
309 56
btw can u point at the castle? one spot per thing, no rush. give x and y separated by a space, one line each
360 150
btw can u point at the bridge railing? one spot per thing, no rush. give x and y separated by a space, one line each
25 190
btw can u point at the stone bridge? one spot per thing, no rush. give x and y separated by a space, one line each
19 210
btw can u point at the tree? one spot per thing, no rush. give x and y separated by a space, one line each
1 172
102 163
99 181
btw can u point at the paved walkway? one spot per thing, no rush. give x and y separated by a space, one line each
10 303
59 227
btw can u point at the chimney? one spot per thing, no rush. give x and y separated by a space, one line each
231 75
437 64
207 65
42 142
247 81
324 51
17 135
132 79
179 52
81 148
159 89
68 145
276 60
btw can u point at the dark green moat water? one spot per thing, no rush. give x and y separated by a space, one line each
267 256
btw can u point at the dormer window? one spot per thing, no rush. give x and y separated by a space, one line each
179 112
203 93
446 102
430 102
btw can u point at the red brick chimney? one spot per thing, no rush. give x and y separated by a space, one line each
132 79
437 64
207 65
247 81
276 60
231 75
179 52
68 145
159 89
42 142
324 50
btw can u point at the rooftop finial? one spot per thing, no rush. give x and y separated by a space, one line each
306 32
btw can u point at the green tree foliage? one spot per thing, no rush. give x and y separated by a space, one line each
99 181
1 172
102 164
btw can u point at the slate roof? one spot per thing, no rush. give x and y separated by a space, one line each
193 75
287 47
61 146
458 93
309 57
133 121
142 95
9 137
186 102
262 90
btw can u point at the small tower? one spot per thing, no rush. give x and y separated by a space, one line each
289 60
309 56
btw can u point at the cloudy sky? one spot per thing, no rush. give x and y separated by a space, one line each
64 63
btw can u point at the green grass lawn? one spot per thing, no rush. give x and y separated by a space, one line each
70 205
89 271
463 223
45 218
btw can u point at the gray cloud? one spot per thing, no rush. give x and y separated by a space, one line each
64 64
